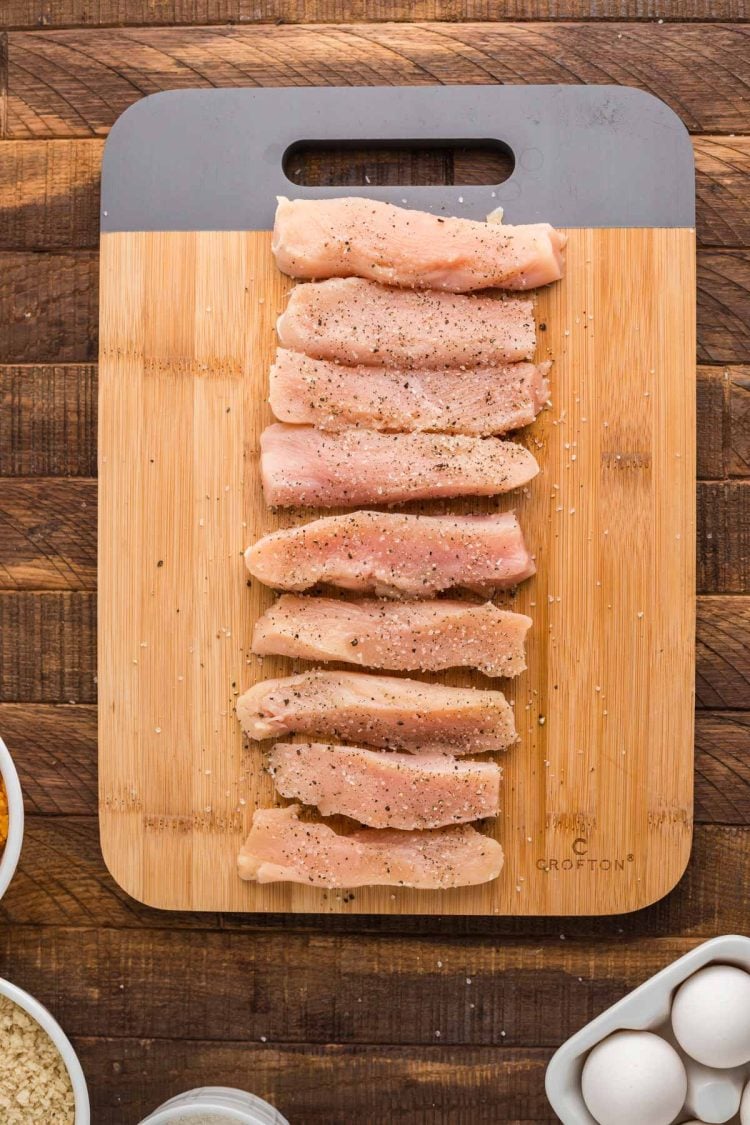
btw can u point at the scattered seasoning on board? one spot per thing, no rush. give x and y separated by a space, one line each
34 1081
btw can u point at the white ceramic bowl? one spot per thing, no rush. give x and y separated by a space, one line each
648 1008
48 1022
12 849
235 1106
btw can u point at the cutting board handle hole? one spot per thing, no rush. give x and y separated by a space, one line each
397 164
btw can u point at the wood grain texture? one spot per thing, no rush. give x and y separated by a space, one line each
40 14
48 421
713 422
189 341
76 83
48 303
723 421
48 307
722 789
333 1085
711 898
50 189
738 453
724 538
476 993
723 664
47 647
113 973
722 166
723 305
47 535
50 194
54 748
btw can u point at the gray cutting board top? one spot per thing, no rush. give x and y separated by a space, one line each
585 156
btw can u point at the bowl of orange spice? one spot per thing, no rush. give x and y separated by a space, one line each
11 818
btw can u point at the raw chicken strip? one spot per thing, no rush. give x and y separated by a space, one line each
385 790
355 237
400 635
302 465
380 711
281 848
477 400
357 321
394 554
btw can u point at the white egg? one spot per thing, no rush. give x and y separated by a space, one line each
711 1016
745 1107
634 1076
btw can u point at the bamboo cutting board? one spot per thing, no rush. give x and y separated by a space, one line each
597 796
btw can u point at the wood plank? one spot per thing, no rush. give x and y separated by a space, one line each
474 993
722 653
722 166
41 14
723 418
62 881
50 194
723 538
48 307
723 306
712 421
48 534
332 1085
62 877
54 748
48 421
722 784
738 446
65 84
50 189
47 647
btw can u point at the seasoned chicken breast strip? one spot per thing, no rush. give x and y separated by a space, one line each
404 636
475 400
383 789
394 555
385 711
281 848
356 237
355 321
304 466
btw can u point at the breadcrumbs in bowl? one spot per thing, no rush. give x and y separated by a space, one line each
40 1076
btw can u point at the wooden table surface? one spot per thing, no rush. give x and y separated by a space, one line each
336 1019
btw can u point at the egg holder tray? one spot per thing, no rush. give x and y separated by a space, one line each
713 1095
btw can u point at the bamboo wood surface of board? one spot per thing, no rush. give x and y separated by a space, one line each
156 1003
187 338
